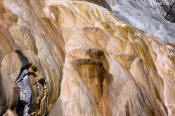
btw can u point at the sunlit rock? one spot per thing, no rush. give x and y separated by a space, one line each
90 63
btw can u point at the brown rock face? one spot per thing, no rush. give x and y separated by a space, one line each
89 63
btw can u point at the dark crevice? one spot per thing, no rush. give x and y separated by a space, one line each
106 5
20 108
33 90
25 92
169 13
23 58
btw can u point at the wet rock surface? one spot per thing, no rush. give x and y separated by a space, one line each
157 16
89 63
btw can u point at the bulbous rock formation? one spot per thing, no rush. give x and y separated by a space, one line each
90 62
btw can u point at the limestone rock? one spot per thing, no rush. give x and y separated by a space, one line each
93 63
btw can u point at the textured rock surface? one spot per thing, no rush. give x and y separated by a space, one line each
151 12
93 63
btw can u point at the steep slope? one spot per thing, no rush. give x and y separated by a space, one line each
147 15
93 63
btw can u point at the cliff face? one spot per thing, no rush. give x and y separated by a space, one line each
93 63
